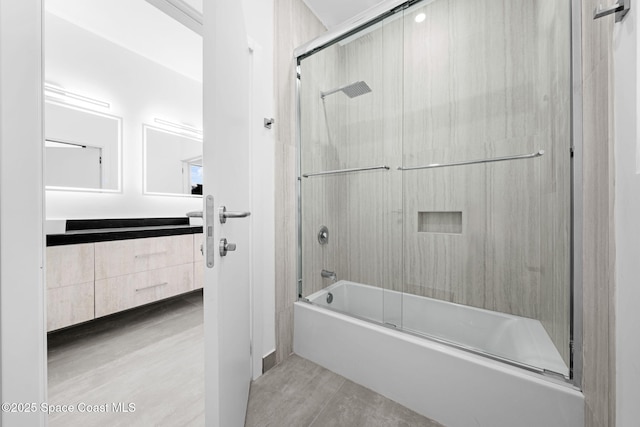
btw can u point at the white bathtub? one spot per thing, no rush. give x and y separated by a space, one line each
450 385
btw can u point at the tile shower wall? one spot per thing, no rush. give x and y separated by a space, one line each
598 254
294 25
448 89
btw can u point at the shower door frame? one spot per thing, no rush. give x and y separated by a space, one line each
378 14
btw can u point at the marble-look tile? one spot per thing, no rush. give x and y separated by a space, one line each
292 393
294 25
598 383
357 406
300 393
284 332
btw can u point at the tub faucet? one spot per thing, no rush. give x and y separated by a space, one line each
329 275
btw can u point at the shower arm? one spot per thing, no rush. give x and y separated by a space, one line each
332 91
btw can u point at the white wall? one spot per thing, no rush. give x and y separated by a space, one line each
138 90
627 218
22 324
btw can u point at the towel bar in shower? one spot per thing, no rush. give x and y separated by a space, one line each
473 162
307 175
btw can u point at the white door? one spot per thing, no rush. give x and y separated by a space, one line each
226 178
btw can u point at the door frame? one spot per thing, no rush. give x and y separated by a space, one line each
23 353
23 336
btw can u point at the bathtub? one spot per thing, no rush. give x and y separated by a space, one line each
445 383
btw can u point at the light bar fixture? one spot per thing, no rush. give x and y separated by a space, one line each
179 126
71 95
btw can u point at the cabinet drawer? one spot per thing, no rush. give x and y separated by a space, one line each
69 265
122 257
131 290
68 305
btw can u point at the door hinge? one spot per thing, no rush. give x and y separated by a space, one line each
250 348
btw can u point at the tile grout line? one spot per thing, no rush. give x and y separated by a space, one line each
344 381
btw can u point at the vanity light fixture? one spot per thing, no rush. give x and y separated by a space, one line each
59 92
420 17
179 126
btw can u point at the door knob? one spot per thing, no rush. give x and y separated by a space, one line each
226 247
223 214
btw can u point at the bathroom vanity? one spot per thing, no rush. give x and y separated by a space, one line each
100 267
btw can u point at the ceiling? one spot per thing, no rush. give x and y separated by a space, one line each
139 27
334 12
142 28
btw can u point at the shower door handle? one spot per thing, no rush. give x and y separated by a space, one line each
224 214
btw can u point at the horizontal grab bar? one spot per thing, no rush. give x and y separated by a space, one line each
307 175
473 162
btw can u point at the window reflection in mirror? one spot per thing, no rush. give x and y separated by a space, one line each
172 163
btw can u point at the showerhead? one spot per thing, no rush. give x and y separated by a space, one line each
353 90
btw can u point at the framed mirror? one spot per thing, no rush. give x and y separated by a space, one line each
82 149
172 163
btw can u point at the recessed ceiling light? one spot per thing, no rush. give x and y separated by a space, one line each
420 17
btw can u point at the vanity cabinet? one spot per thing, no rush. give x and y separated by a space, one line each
70 290
198 261
90 280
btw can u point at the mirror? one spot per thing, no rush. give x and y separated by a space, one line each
172 163
82 148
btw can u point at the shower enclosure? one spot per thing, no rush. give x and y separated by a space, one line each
435 176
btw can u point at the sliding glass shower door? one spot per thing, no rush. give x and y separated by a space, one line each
435 156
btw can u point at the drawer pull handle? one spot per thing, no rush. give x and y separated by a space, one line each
151 254
152 286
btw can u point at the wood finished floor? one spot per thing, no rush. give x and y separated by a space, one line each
154 357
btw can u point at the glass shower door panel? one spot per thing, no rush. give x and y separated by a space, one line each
486 244
347 183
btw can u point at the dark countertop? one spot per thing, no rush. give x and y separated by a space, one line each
105 230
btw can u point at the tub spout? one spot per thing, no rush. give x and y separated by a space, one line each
329 275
